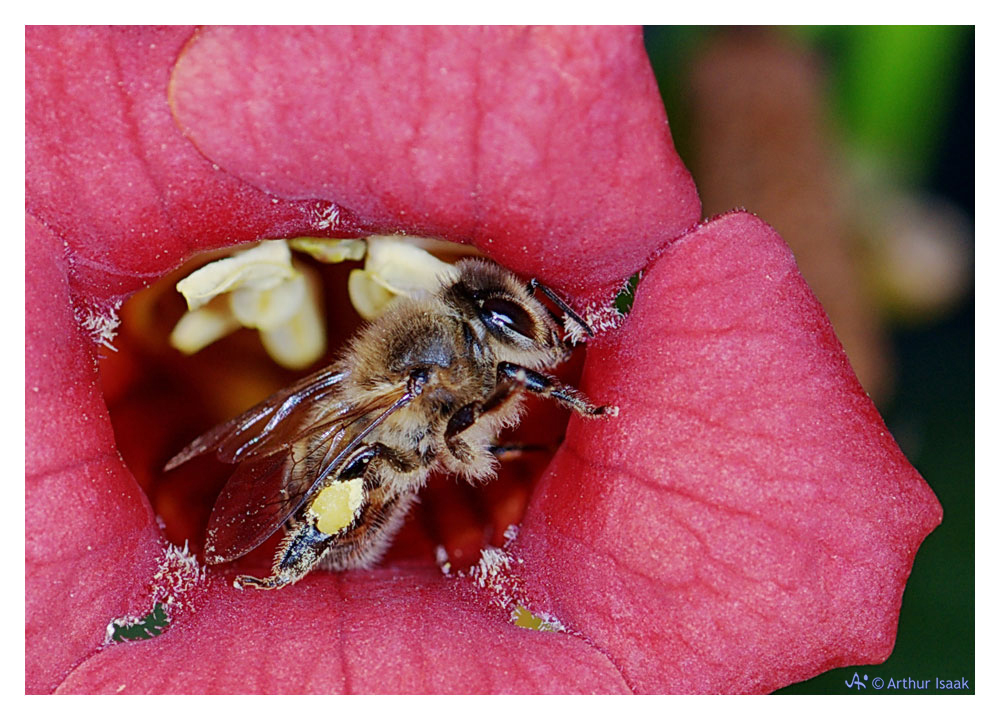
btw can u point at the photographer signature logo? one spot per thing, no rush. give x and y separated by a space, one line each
856 682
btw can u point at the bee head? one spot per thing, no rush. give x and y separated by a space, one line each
503 312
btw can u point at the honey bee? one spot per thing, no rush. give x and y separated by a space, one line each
339 457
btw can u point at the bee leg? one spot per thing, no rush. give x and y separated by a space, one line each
467 415
512 378
304 544
298 552
401 462
546 386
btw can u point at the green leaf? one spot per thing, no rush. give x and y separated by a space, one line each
150 626
626 296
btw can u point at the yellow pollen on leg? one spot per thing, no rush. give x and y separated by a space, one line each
337 505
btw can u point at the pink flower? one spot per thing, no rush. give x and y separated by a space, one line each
746 522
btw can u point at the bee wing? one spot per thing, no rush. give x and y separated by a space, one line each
266 426
258 498
268 488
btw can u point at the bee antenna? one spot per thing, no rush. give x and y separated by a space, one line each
551 294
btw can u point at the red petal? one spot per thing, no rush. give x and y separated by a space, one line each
750 522
548 148
108 172
90 543
388 631
114 195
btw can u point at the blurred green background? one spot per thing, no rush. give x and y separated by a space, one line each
856 143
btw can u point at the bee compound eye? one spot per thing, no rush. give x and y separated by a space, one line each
501 313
